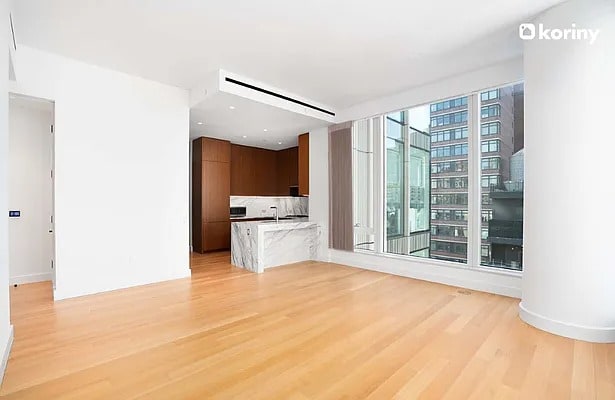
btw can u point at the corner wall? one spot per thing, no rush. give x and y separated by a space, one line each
319 187
6 329
568 282
122 174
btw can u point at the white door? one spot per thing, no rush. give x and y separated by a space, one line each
31 229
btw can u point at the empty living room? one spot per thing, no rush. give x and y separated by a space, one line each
307 200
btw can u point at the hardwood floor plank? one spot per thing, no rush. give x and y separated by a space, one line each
303 331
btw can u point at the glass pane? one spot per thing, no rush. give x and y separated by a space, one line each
502 179
427 181
363 185
394 186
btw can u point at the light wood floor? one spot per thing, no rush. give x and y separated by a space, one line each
305 331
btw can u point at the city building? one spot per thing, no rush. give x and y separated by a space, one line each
501 129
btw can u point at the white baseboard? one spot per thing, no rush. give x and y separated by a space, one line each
481 279
587 333
23 279
61 293
7 352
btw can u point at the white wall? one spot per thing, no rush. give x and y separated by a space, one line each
121 174
319 187
569 277
498 74
6 330
30 142
477 278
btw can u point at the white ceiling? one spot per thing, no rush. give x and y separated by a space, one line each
337 53
249 119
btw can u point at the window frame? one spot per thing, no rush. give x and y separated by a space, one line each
474 128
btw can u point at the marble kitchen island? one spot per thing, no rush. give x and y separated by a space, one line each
258 245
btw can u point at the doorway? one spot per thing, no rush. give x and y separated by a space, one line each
31 191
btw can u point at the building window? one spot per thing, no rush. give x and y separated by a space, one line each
449 134
489 181
486 215
492 110
449 215
449 183
449 166
449 247
453 199
451 231
492 128
490 146
490 163
490 95
449 119
450 151
445 105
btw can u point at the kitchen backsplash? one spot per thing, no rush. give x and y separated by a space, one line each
259 206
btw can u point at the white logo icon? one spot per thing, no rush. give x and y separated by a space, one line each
530 31
527 31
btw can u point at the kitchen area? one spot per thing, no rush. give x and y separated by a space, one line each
252 201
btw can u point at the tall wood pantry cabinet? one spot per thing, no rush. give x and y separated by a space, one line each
211 188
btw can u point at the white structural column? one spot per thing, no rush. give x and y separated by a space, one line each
569 256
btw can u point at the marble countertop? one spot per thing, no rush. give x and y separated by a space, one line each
281 225
257 245
263 219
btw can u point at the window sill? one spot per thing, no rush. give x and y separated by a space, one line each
442 263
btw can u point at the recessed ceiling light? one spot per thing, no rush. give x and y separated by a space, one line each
244 136
231 107
279 142
265 130
199 123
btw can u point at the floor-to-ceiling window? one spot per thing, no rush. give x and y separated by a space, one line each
452 174
364 138
501 177
427 180
407 182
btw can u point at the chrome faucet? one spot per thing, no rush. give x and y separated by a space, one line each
276 213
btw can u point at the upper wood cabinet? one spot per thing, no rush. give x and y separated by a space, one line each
287 170
211 188
304 164
256 172
216 150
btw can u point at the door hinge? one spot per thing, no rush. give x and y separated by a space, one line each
51 128
51 264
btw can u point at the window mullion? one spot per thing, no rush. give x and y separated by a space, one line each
474 180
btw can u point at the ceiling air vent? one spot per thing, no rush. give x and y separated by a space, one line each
278 95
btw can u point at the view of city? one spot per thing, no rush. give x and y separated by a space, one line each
427 179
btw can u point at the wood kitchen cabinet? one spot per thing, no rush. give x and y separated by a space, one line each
260 172
304 164
211 188
287 170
